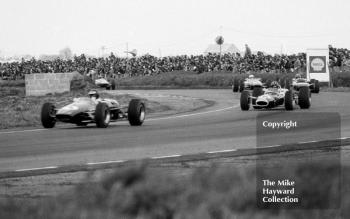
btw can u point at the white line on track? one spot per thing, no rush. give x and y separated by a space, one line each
222 151
39 168
167 156
106 162
28 130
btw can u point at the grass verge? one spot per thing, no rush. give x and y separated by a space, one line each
214 192
182 79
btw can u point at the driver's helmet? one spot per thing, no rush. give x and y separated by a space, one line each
94 93
251 76
275 84
297 76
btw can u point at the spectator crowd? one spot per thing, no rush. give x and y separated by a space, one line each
113 66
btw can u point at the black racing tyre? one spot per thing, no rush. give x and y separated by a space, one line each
312 85
241 85
235 85
102 115
316 87
289 100
245 100
136 112
304 98
257 91
113 84
48 117
108 87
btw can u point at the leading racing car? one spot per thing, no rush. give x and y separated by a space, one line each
93 109
274 96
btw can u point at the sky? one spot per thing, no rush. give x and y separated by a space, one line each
163 27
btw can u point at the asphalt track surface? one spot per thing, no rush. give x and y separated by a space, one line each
220 127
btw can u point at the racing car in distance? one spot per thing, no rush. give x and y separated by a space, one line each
299 82
103 82
85 110
274 96
246 84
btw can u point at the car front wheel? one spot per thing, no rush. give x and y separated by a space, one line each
102 115
136 112
48 118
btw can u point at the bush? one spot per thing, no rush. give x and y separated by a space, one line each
341 79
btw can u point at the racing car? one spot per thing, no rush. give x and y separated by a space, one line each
299 82
274 96
103 82
246 84
93 109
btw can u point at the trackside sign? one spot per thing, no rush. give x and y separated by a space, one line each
317 64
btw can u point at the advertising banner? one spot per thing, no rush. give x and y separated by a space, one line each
317 64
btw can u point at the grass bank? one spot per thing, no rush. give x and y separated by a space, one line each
179 79
213 192
182 79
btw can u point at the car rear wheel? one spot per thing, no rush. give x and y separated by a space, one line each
289 100
48 115
304 98
136 112
113 84
245 100
102 115
235 85
241 85
316 87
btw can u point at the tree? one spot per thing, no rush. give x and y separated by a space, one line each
66 53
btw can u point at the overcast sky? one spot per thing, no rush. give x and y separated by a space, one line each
170 27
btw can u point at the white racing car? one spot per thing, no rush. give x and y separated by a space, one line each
274 96
93 109
246 84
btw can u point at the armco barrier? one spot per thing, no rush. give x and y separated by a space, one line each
44 83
